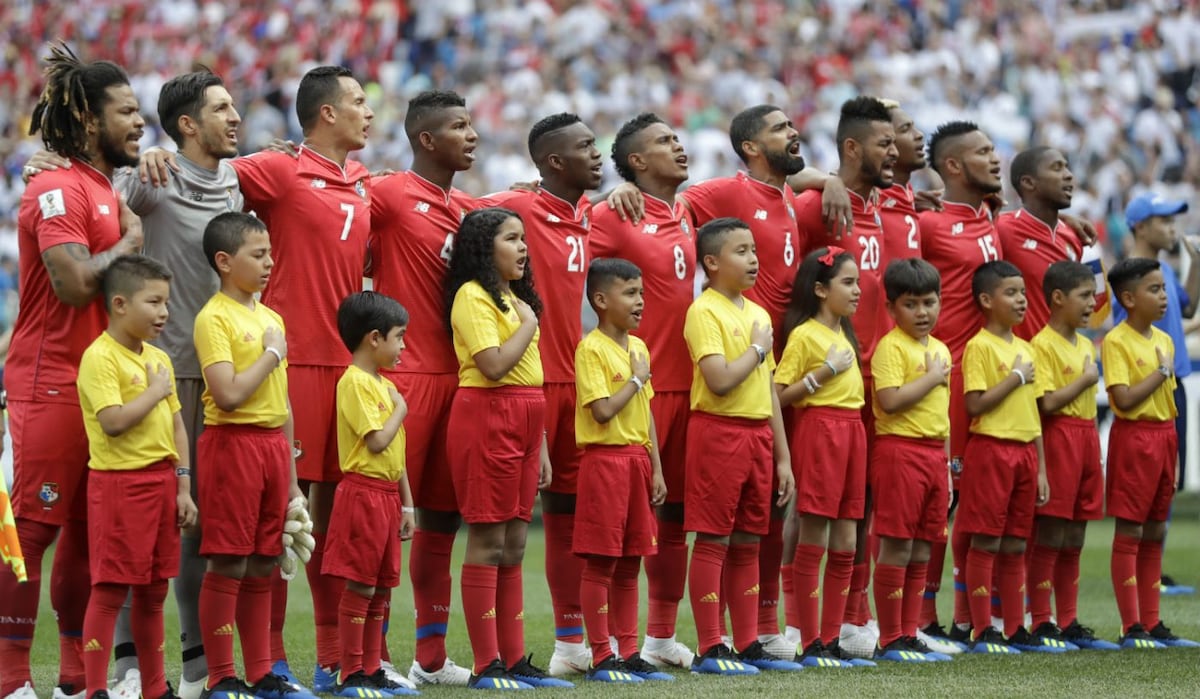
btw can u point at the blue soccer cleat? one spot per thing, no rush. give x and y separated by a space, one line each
280 667
1137 638
324 680
389 687
840 653
817 655
525 671
1026 642
756 655
228 688
358 686
273 686
1164 636
992 642
495 676
933 656
899 651
643 669
719 660
610 670
1085 638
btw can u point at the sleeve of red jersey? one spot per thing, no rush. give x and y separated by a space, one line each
508 200
263 176
927 224
811 224
607 234
64 212
709 200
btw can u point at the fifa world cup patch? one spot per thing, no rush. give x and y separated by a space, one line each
48 494
52 203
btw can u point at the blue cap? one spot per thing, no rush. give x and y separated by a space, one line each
1145 206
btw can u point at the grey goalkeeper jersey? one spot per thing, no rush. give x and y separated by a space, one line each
173 221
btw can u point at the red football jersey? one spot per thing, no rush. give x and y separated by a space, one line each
871 321
1030 245
771 214
413 223
556 231
956 240
663 246
319 218
901 227
69 205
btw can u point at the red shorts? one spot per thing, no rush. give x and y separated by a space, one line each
244 494
998 488
313 392
960 422
829 459
560 437
909 477
495 451
730 464
614 517
1073 469
670 411
50 458
133 531
429 397
363 541
1141 469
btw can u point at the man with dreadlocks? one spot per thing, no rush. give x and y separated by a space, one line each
71 226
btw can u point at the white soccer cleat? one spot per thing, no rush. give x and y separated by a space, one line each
392 674
777 646
59 694
569 659
127 687
858 641
614 646
666 652
792 634
937 645
25 691
450 674
191 690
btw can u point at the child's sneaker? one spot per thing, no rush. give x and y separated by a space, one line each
719 660
25 691
390 687
644 670
918 645
448 674
1163 635
324 679
992 642
127 687
228 688
666 652
495 676
358 686
610 670
1085 638
273 686
525 671
67 691
1137 638
858 641
1026 642
777 645
1050 635
570 658
755 654
817 655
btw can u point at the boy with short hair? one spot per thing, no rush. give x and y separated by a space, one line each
372 509
139 459
736 428
1142 448
620 472
1005 476
909 462
1067 379
246 446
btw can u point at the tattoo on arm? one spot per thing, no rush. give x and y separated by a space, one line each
93 267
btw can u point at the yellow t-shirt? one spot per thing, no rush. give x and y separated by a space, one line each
602 368
111 374
227 331
1059 362
807 346
898 361
1128 357
363 405
714 325
479 324
987 361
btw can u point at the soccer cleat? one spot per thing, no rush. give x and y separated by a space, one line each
280 667
324 679
666 652
940 645
756 654
390 687
101 694
191 690
610 670
127 687
719 660
858 641
1168 586
961 633
1085 638
990 641
358 686
1163 635
644 670
394 675
494 676
930 654
570 658
777 645
228 688
273 686
25 691
1138 638
1051 635
898 651
525 671
840 653
1026 642
67 691
169 694
817 655
448 674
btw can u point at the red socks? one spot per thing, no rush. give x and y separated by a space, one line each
70 585
624 598
563 572
429 569
1124 579
254 626
839 567
791 607
98 625
915 577
889 602
1040 582
1149 577
960 545
218 612
933 583
510 613
279 599
19 605
742 569
478 584
1066 585
146 620
373 631
806 576
666 574
326 595
979 566
857 610
704 589
594 585
1012 588
770 557
352 621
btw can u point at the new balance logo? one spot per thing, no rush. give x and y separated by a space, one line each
1045 585
224 630
751 591
898 593
981 591
490 614
422 207
1029 244
956 229
760 215
711 598
553 219
1131 581
92 646
650 228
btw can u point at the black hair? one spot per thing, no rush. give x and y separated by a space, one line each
184 94
910 276
127 274
227 233
318 87
857 116
538 148
711 236
941 139
746 126
1128 272
1066 276
1025 164
623 145
363 311
425 105
72 89
805 303
603 271
989 275
473 260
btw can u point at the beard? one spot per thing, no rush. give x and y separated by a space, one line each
113 151
983 186
785 163
874 173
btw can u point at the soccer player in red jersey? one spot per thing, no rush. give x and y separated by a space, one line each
897 202
557 218
647 152
317 208
414 216
956 240
71 226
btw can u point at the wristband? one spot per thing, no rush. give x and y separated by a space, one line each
637 382
408 510
183 472
831 367
278 355
1165 371
1020 375
762 352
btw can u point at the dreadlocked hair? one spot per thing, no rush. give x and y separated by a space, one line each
473 260
73 90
